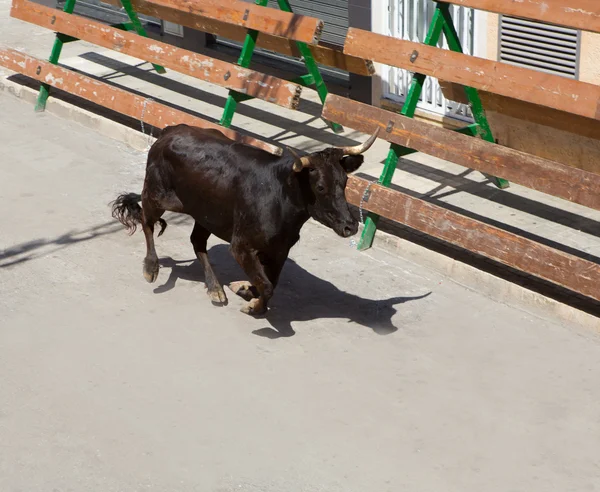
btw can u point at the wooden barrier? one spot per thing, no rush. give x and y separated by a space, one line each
218 72
324 55
531 86
569 271
532 96
113 98
579 14
534 172
249 16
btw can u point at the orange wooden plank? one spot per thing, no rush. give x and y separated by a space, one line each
534 172
250 16
532 86
580 14
115 99
255 84
324 55
569 271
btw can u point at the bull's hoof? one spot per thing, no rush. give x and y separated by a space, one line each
150 270
244 289
254 308
218 297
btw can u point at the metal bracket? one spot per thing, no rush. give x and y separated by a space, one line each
366 195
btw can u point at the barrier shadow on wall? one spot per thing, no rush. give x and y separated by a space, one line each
300 296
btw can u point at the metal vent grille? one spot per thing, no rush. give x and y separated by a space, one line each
334 13
543 47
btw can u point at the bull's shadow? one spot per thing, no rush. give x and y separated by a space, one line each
300 295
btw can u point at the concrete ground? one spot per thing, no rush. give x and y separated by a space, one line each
372 371
395 377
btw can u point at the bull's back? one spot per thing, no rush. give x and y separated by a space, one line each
208 173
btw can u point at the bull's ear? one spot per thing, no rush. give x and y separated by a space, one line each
351 163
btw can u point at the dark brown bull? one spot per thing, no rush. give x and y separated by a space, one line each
254 200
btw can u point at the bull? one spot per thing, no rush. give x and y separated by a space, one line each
255 201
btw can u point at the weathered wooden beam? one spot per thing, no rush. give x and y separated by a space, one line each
528 85
250 16
534 172
324 55
115 99
534 113
543 261
580 14
228 75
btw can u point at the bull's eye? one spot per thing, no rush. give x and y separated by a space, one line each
320 189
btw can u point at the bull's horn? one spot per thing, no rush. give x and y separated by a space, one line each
300 162
361 148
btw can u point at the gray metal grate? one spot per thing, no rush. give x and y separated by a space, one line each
543 47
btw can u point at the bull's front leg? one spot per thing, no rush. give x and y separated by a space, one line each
249 260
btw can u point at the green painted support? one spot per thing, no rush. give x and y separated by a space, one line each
40 104
312 78
243 61
485 132
440 23
61 39
396 151
304 80
313 69
137 26
471 130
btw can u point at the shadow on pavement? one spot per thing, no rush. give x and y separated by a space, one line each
300 296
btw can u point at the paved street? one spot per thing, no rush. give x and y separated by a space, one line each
394 376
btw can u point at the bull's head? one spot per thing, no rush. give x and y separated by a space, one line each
324 175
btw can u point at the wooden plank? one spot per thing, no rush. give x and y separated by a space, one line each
580 14
250 16
255 84
528 85
569 271
534 172
113 98
324 55
534 113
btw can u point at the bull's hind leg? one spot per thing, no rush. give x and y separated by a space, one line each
150 215
199 238
244 289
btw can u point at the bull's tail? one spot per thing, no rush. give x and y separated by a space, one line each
126 209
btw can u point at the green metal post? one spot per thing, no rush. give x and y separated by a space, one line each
473 96
61 39
313 69
137 25
396 151
441 22
40 104
312 78
244 60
